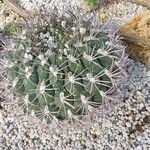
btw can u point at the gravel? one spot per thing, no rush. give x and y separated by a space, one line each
126 127
122 11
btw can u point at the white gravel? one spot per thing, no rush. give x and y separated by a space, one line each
127 127
122 11
119 11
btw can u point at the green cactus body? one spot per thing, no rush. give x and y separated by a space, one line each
66 73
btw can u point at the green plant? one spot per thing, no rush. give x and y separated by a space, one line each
64 67
92 2
10 28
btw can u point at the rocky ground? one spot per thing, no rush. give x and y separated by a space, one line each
127 127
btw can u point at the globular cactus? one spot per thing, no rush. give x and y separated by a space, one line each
63 67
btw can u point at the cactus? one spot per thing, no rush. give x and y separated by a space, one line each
63 68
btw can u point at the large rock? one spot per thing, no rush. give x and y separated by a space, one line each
139 52
137 34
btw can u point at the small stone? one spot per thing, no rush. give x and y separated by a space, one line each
138 148
128 124
132 136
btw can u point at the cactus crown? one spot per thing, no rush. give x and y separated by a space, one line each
62 68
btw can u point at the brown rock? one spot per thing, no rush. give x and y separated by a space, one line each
138 29
140 53
137 34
